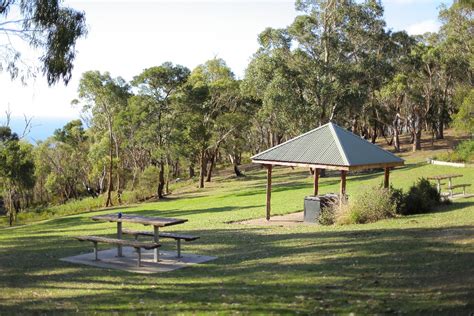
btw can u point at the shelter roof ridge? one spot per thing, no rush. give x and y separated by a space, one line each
342 152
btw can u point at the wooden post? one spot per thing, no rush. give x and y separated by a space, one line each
386 178
269 190
119 236
156 239
316 181
343 184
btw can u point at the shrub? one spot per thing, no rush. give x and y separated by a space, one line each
371 205
464 152
328 214
148 181
398 198
421 198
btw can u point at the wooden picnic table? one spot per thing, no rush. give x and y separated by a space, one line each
438 178
156 222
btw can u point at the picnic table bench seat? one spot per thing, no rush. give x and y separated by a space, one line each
463 186
176 236
122 242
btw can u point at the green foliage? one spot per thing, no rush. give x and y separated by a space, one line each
464 118
148 180
464 152
397 198
72 133
422 197
45 25
16 170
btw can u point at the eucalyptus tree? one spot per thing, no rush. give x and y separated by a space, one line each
104 98
211 91
393 97
463 118
456 33
328 64
46 25
157 87
272 79
456 42
342 45
61 163
236 125
16 170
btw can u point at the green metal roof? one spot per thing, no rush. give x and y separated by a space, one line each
329 145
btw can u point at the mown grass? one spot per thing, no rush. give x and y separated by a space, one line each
86 204
414 264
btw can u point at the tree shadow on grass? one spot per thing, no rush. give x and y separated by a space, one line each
184 213
262 270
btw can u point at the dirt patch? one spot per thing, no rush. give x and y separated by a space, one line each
287 220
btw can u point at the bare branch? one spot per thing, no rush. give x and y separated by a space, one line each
28 126
8 115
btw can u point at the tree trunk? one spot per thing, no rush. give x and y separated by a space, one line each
417 139
396 139
192 173
354 126
235 160
11 214
203 168
396 133
176 169
374 133
111 167
212 161
101 180
440 130
417 126
322 173
119 168
161 179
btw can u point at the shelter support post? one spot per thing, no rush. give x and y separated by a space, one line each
386 178
269 190
316 182
343 185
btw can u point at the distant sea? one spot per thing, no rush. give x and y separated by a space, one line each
41 127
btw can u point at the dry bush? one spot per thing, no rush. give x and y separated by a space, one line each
371 205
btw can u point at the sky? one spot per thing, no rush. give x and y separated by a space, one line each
126 37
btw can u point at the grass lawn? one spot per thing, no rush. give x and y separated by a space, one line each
414 264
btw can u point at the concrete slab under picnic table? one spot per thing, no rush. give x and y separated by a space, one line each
109 260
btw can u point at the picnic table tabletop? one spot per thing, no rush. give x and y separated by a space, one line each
145 220
444 176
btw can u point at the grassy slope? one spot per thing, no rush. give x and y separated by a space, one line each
414 264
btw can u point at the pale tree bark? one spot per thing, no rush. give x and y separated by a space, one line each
235 160
108 202
396 133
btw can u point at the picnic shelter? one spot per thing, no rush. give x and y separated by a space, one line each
327 147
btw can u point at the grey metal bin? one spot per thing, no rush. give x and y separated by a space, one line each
312 209
314 204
